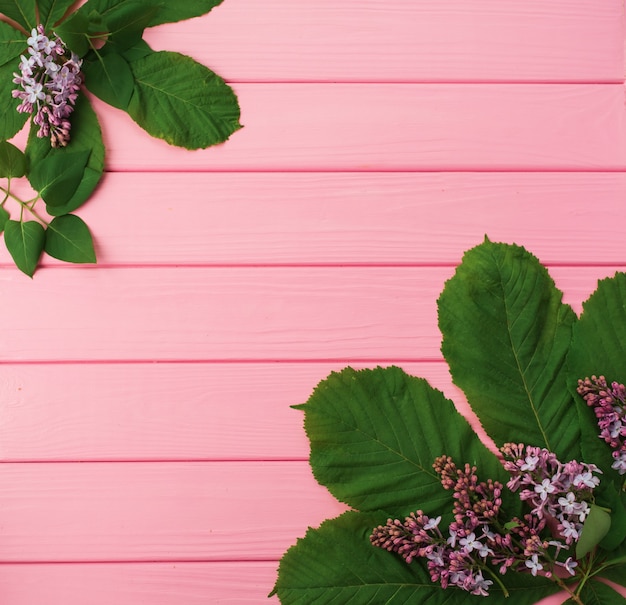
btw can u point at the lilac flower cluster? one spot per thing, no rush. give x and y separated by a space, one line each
609 405
48 86
556 491
481 537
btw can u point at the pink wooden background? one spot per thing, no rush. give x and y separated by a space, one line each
149 454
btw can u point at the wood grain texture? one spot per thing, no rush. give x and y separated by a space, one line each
352 218
398 127
193 511
189 411
235 314
232 583
404 40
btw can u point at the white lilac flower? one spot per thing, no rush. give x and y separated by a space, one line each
544 488
48 85
534 565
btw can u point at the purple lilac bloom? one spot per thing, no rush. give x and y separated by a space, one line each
556 491
609 406
480 537
48 85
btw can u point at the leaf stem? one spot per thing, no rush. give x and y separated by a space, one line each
28 205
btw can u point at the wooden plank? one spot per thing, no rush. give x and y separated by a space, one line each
404 40
351 218
235 583
155 583
365 127
165 411
64 512
234 314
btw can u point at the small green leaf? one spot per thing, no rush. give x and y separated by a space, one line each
375 434
182 101
50 11
109 77
4 217
68 239
11 121
86 136
25 242
506 333
595 527
21 11
56 177
12 161
12 44
74 32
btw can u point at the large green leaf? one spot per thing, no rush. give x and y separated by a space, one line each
12 44
598 348
50 11
506 333
336 565
182 101
375 434
598 593
169 11
56 177
11 121
86 136
21 11
25 242
109 77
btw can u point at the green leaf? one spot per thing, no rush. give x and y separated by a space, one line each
11 121
336 565
50 11
127 24
86 136
595 527
598 593
109 77
183 9
12 161
616 573
182 101
21 11
598 347
169 12
25 242
375 434
74 32
56 177
506 333
68 239
4 217
12 44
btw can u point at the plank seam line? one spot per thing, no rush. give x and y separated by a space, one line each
147 461
138 562
381 170
243 361
429 82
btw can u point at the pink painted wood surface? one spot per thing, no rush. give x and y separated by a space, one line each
236 314
175 511
371 218
190 411
370 127
404 40
381 140
232 583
